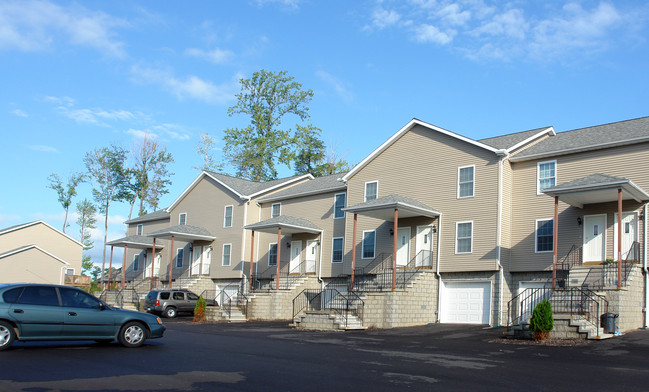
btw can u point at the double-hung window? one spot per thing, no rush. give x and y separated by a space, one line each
179 258
544 235
546 175
272 254
140 229
371 190
369 244
276 210
136 262
463 237
465 181
227 250
227 216
337 250
182 218
339 204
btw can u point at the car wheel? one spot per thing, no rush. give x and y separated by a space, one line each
7 335
132 334
170 312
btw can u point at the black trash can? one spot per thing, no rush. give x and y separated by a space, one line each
608 322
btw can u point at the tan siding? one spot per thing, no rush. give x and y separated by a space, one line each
628 161
423 165
47 238
32 266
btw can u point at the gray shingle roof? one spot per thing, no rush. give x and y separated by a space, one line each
246 187
292 223
590 180
410 207
591 138
135 241
183 231
156 215
512 139
311 187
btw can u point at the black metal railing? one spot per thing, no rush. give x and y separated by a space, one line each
381 262
607 275
571 259
227 298
341 303
120 297
287 277
573 301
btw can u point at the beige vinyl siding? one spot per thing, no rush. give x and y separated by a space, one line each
423 165
318 209
627 161
48 239
205 207
32 266
147 228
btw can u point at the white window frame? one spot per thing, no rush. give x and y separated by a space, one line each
536 235
333 249
272 209
180 218
363 246
229 255
343 206
459 183
539 191
178 252
136 262
457 225
377 190
225 215
270 246
139 230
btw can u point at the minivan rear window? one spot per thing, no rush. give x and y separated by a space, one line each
11 296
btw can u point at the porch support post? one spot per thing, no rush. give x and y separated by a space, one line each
152 260
555 240
619 238
252 256
394 249
171 259
351 285
279 252
110 265
124 267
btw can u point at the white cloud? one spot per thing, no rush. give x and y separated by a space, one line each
382 18
37 25
189 87
19 113
338 86
42 148
451 14
216 56
510 24
428 33
171 131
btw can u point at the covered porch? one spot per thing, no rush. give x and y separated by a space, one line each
198 242
607 235
406 215
140 243
304 247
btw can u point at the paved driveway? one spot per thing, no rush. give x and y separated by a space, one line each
272 357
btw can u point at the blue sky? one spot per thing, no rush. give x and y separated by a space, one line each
76 76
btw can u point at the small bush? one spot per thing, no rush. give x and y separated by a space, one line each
542 322
199 310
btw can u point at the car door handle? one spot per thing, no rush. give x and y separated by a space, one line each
18 311
72 313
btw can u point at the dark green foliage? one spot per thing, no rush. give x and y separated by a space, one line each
542 320
199 310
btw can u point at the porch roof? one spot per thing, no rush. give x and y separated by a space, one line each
135 241
289 225
184 233
383 208
596 188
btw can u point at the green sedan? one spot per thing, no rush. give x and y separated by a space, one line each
50 312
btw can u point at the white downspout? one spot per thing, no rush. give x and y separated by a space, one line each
646 273
322 285
499 238
439 277
243 243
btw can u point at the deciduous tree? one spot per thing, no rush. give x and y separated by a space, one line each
67 192
205 149
86 219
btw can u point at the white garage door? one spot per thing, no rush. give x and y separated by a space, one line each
466 302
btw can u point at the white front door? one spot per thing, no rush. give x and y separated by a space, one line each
156 267
403 246
424 246
196 262
207 259
311 256
147 265
594 237
296 257
629 234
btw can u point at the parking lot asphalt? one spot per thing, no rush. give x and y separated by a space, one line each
270 356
